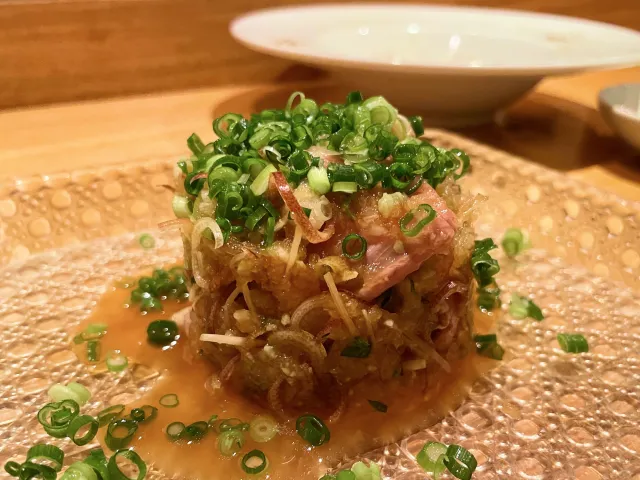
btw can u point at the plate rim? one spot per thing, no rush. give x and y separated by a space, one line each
331 62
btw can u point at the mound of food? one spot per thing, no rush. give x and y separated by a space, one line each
326 245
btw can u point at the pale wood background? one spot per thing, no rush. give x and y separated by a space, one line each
64 50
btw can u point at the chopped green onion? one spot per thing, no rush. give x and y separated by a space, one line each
58 392
120 433
162 332
431 454
430 215
254 462
175 430
487 346
56 417
79 471
261 183
98 461
319 180
96 328
109 414
212 420
460 462
416 124
230 442
263 428
195 144
48 455
29 470
77 424
345 187
116 362
366 472
170 400
346 475
137 414
360 252
378 406
12 468
115 473
269 231
147 241
93 351
81 392
573 342
482 265
513 242
358 348
196 430
313 430
354 97
180 206
232 424
521 307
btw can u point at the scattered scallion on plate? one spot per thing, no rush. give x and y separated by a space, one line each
312 429
573 342
263 428
487 346
147 241
514 242
254 462
170 400
521 307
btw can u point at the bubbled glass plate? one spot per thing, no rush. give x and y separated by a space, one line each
541 414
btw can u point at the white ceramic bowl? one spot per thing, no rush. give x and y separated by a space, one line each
454 65
620 107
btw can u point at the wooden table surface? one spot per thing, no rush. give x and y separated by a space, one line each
557 125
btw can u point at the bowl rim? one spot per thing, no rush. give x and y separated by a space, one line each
319 59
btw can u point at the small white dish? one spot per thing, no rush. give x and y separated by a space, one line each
620 107
454 65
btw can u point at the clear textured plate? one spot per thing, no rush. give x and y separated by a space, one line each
542 414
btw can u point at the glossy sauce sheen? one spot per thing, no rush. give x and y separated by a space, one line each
359 429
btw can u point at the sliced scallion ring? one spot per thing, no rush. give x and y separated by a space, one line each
487 346
56 417
170 400
175 430
79 471
361 246
230 442
431 457
120 433
116 362
313 430
196 430
345 187
109 414
460 462
429 216
116 473
12 468
263 428
149 411
147 241
79 423
29 470
93 351
45 454
254 462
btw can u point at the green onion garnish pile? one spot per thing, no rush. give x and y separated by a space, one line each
161 285
227 179
62 419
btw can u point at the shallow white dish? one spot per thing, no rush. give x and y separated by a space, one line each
455 65
620 107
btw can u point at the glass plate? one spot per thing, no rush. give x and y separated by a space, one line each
542 414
